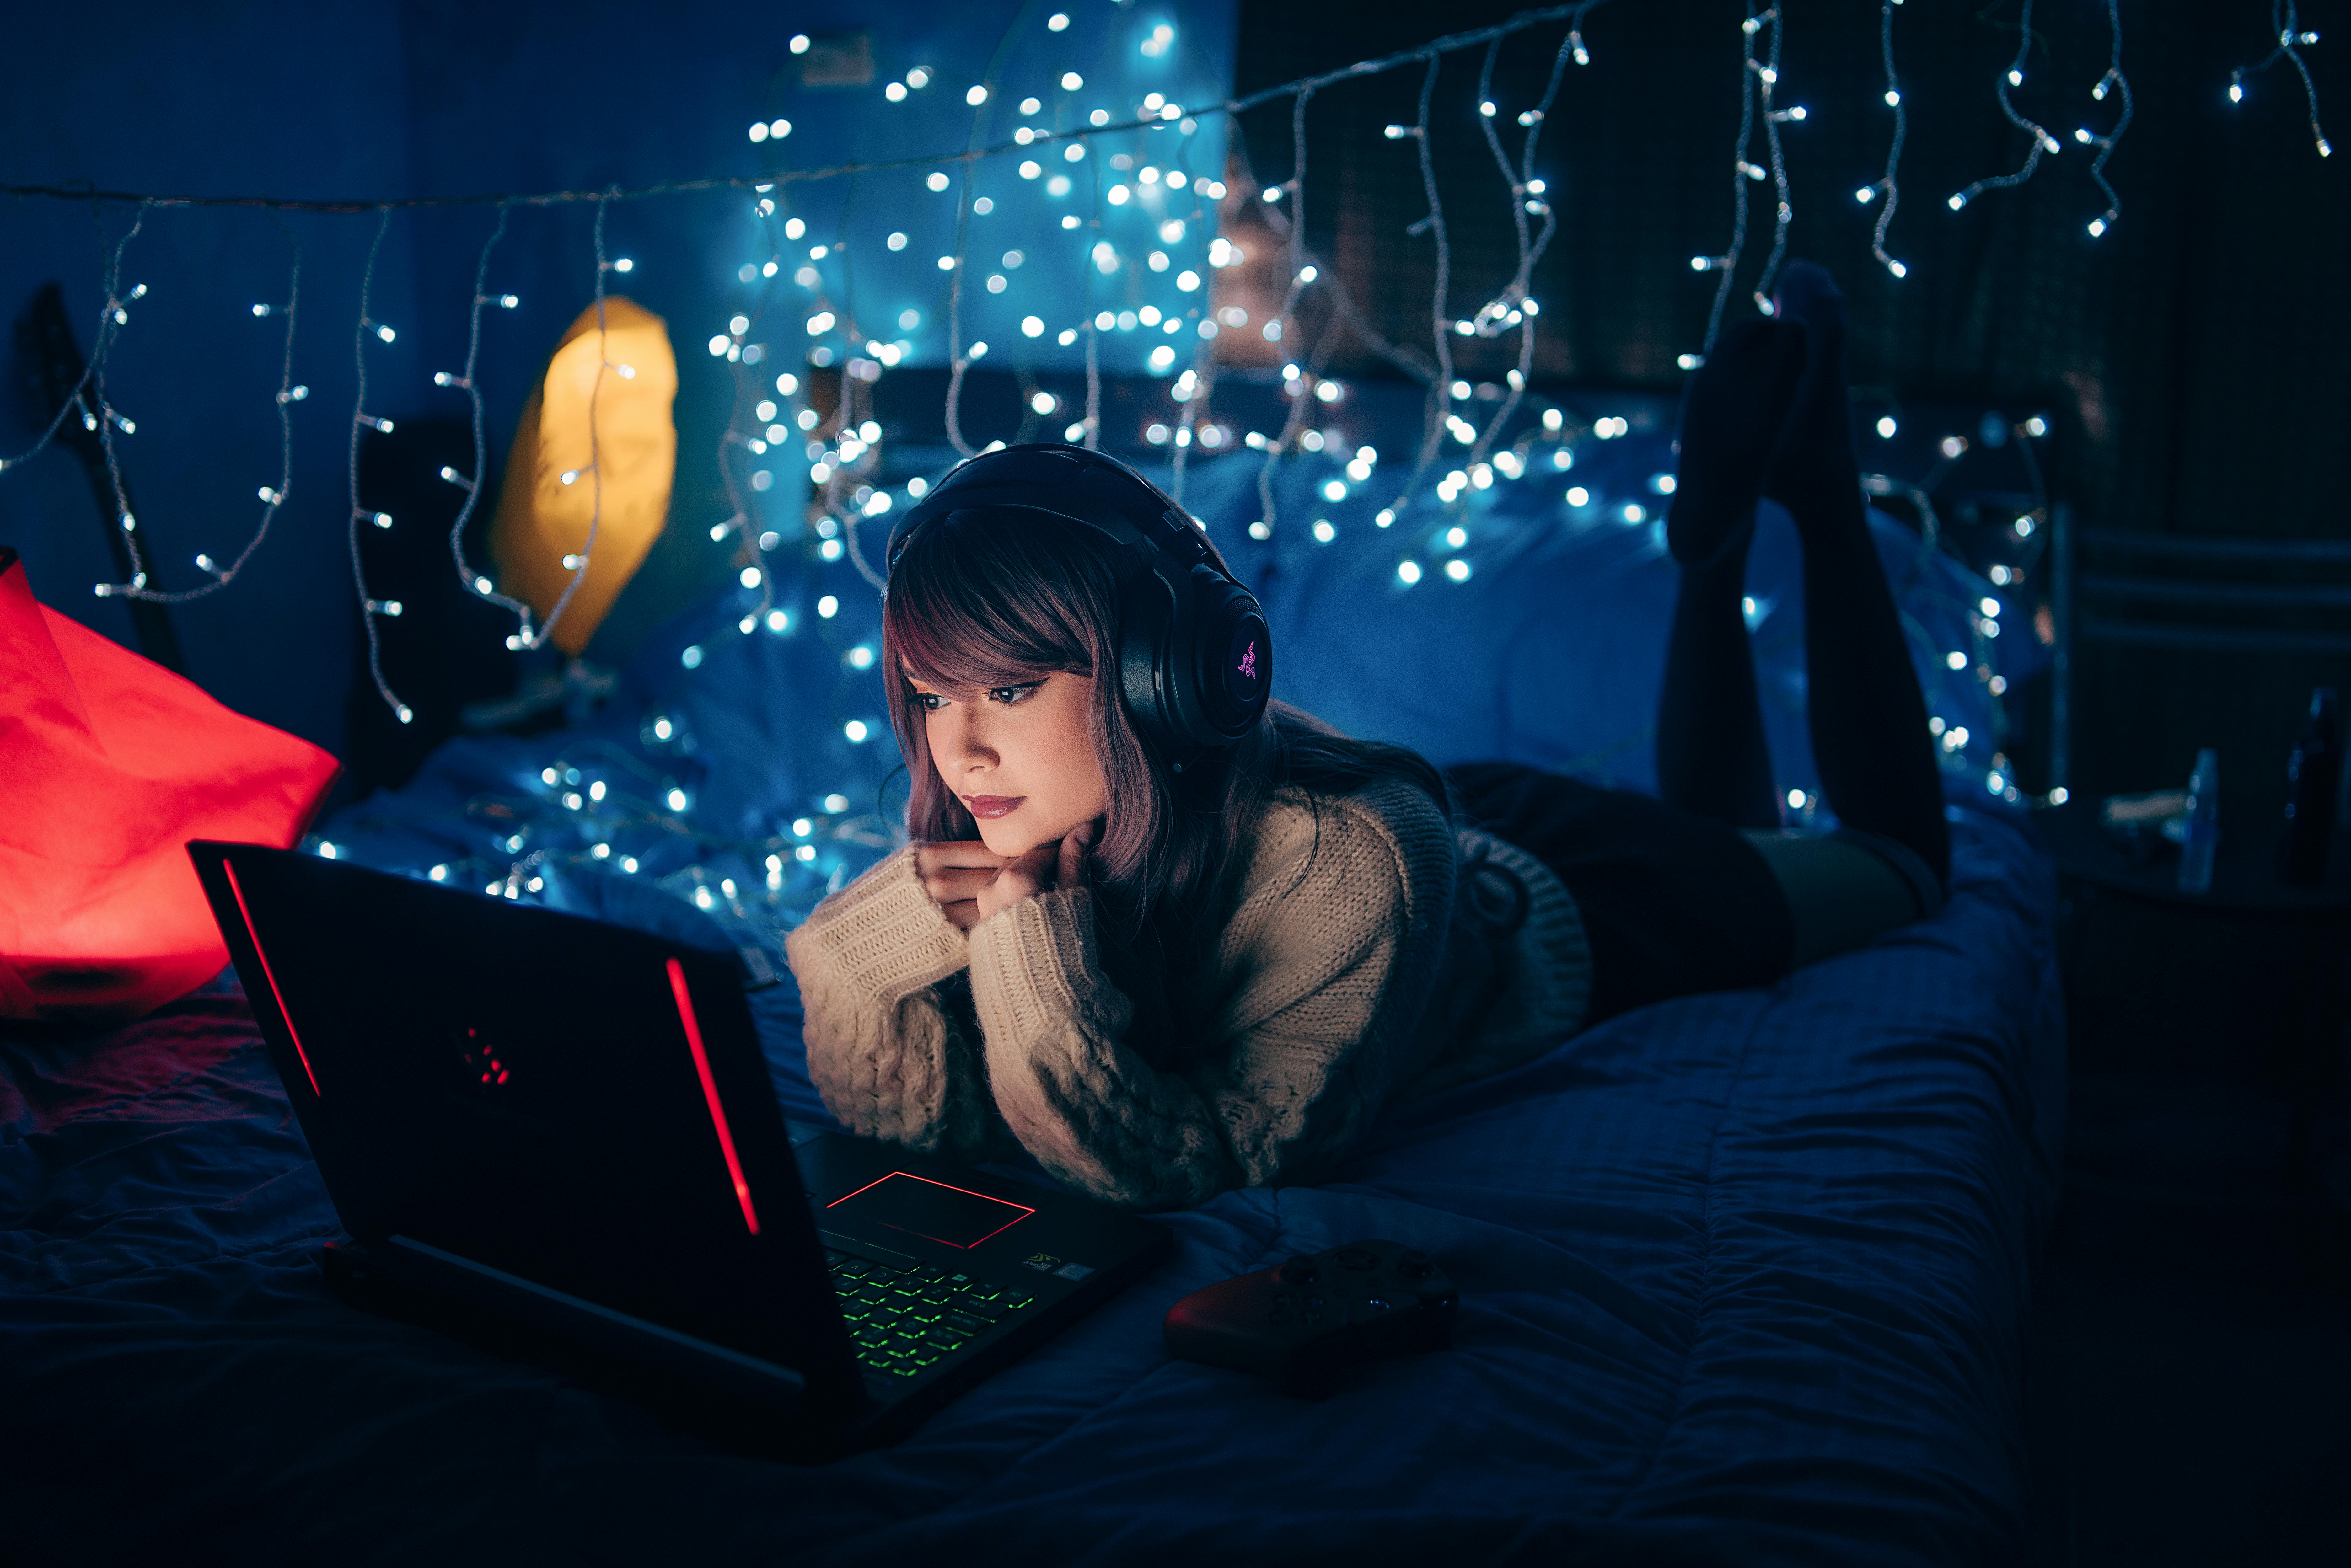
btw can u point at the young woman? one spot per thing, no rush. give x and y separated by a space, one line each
1167 976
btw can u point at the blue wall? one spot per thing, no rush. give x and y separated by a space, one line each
435 97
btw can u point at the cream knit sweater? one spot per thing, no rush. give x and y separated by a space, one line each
1369 951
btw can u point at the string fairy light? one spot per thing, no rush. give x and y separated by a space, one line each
472 581
112 317
370 608
1759 82
272 496
1889 185
1439 403
2113 81
1199 385
595 471
1727 262
978 97
1285 320
1515 305
2285 25
845 503
842 445
1784 212
106 422
2042 140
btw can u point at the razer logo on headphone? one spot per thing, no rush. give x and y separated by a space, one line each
1247 665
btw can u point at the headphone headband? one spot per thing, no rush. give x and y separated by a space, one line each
1195 656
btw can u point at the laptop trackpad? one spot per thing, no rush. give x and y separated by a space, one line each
952 1216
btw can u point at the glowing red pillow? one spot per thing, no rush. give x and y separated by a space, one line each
108 766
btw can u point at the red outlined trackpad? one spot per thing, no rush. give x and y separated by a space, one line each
952 1216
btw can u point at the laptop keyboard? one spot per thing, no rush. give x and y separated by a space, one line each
903 1319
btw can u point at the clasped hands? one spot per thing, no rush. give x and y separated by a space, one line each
970 881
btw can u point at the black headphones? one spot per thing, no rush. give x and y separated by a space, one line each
1196 660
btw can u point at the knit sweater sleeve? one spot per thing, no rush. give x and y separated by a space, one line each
1324 967
884 1048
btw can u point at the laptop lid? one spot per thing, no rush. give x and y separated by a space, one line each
575 1103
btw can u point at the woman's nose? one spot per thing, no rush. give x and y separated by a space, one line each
967 741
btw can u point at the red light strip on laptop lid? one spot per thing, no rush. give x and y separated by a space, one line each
279 997
710 1092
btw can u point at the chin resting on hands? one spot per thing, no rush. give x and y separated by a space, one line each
970 881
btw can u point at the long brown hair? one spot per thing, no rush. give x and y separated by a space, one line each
989 598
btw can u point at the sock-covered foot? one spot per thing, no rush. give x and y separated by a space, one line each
1732 412
1814 459
1868 718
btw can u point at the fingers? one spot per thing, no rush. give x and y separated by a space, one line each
953 872
970 881
954 854
953 886
1021 878
1069 869
1030 869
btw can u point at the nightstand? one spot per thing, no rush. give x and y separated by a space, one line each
2208 1040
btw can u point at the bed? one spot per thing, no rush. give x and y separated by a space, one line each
1744 1277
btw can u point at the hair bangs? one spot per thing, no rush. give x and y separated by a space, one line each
964 611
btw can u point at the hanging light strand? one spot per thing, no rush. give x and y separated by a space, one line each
273 497
980 97
1202 385
370 608
1514 305
1784 212
1286 318
2116 82
1889 185
2285 23
957 361
111 319
472 581
2042 140
1440 386
1742 170
594 472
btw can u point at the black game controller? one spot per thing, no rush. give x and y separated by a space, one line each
1305 1324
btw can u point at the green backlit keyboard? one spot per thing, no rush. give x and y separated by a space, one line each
903 1319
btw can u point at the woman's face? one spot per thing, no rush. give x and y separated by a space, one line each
1019 758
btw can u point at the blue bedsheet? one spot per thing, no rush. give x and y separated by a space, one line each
1743 1279
1744 1276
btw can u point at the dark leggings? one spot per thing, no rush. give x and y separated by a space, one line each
1699 891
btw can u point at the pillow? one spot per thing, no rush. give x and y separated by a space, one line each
108 766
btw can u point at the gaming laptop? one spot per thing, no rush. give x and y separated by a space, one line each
549 1133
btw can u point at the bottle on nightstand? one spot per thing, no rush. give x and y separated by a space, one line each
2203 836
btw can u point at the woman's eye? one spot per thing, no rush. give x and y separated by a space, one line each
927 701
1010 695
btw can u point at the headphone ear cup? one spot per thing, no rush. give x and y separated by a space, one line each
1234 661
1143 615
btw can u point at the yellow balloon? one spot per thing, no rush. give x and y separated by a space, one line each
562 476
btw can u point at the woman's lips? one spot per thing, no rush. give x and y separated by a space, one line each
987 808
